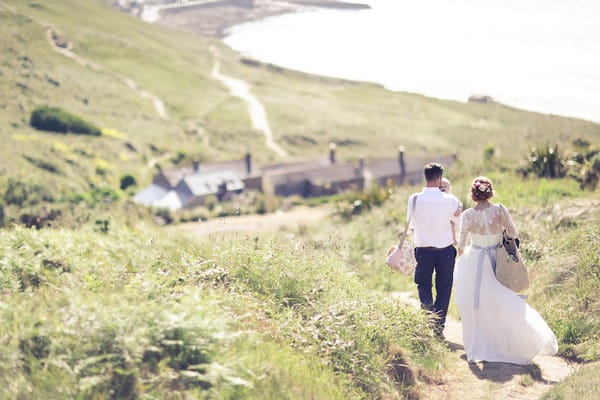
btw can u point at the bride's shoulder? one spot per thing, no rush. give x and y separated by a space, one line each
499 206
469 213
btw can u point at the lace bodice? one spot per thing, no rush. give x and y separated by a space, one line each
485 226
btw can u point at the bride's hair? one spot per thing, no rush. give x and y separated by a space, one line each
481 189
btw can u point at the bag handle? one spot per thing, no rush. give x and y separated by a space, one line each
412 212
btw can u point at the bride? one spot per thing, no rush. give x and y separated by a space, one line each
497 324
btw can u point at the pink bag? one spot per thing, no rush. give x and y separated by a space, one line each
402 258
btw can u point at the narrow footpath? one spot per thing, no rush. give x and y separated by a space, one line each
256 109
488 381
63 47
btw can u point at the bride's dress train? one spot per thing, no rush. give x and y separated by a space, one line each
498 325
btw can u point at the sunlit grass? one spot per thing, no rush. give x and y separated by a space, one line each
114 309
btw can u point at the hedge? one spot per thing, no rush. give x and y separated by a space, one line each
57 120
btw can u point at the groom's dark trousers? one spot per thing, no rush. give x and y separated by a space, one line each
440 260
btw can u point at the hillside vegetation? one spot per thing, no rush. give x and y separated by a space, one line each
122 314
202 121
100 303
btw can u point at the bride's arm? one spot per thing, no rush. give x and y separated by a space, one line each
507 223
463 232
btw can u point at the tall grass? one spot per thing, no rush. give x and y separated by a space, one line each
125 314
570 271
584 384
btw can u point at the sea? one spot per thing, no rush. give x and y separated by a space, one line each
538 55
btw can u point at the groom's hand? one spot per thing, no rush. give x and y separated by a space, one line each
458 210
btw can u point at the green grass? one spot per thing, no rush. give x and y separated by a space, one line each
569 275
205 122
105 305
583 384
124 313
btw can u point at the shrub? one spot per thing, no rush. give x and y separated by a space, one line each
545 162
585 169
583 164
98 195
127 181
40 219
356 203
57 120
164 216
1 213
178 157
20 193
488 153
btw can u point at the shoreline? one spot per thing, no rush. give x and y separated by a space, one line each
213 18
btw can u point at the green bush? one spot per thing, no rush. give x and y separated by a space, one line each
57 120
127 181
21 193
585 169
357 202
545 162
488 154
98 195
582 164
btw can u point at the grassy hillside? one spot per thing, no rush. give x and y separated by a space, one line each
119 313
558 225
203 120
110 306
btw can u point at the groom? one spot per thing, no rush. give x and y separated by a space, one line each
434 250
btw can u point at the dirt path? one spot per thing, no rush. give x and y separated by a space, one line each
256 109
293 219
63 47
488 381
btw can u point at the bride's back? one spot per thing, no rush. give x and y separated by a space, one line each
485 224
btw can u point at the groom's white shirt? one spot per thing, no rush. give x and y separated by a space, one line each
431 222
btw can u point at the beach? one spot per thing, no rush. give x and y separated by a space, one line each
214 17
459 51
535 55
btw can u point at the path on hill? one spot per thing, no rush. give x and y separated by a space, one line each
63 47
256 109
293 219
487 381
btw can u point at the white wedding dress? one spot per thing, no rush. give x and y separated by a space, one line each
497 324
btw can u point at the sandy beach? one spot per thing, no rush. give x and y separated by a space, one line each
214 17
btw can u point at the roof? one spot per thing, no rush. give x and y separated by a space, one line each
238 167
391 166
150 194
294 166
317 174
201 184
157 196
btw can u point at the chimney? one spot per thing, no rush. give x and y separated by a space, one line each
401 160
196 166
332 152
248 161
361 166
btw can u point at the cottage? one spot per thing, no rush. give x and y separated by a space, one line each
194 189
157 196
190 187
399 171
318 180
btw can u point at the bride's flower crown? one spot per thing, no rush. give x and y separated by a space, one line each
483 187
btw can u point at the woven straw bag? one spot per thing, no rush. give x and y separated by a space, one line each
510 268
